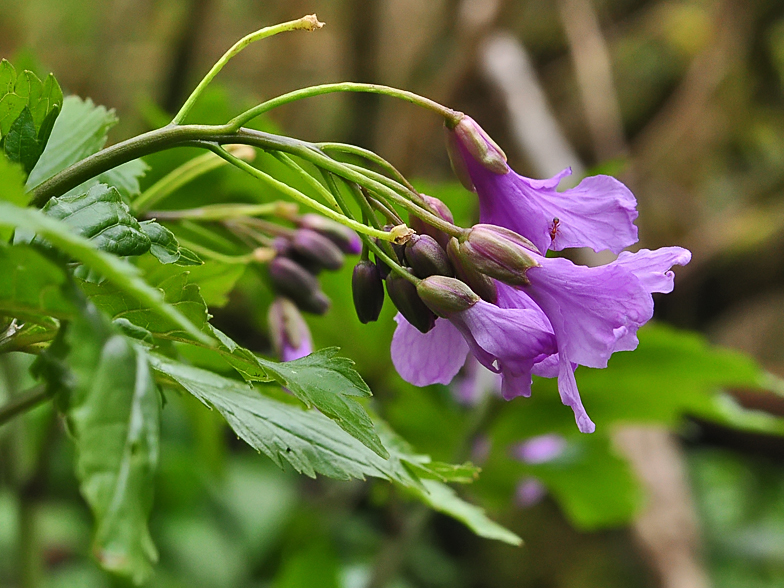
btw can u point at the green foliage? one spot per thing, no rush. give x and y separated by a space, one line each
444 499
80 131
28 110
101 216
31 288
113 411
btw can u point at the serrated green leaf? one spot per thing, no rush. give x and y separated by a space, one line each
308 440
101 216
164 244
28 110
465 473
329 383
31 286
113 410
116 271
177 292
80 130
11 181
444 499
21 143
190 258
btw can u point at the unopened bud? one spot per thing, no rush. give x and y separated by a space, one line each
405 298
499 253
346 239
368 291
446 296
483 285
468 139
288 330
317 248
294 281
440 209
427 258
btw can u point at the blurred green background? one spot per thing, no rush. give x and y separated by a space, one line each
683 100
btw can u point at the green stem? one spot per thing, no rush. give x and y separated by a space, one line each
221 257
23 402
309 179
300 197
369 156
217 212
452 117
184 174
210 137
369 243
307 23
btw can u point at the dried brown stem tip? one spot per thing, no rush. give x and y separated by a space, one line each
312 23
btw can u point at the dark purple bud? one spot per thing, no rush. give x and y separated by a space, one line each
468 139
346 239
446 296
317 248
440 209
427 258
294 281
498 252
368 291
281 244
405 298
483 285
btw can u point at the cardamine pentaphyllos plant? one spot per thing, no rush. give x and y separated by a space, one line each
99 289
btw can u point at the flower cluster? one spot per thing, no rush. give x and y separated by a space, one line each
494 293
299 256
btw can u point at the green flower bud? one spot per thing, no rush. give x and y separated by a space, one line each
498 252
446 296
427 258
467 139
368 291
483 285
405 298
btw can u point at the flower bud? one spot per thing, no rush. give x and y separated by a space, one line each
468 139
346 239
317 248
427 258
499 253
446 296
405 298
421 227
368 291
292 280
483 285
289 331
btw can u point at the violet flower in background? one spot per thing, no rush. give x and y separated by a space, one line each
536 450
599 213
289 331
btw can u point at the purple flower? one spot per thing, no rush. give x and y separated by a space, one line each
530 491
508 341
289 331
568 315
599 213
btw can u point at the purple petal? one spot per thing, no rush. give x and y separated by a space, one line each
570 396
289 353
591 309
652 268
599 213
428 358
